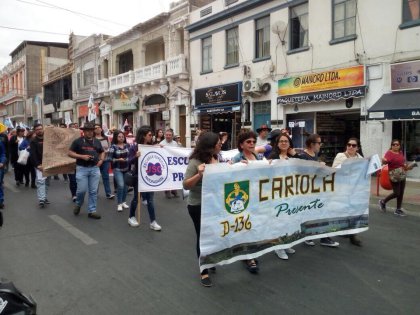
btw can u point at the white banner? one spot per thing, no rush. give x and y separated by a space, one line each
163 168
249 210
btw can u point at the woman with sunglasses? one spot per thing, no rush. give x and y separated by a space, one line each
283 150
205 152
313 146
397 168
351 152
246 148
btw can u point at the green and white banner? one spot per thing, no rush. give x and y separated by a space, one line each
251 209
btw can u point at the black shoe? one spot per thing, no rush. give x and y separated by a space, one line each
168 194
41 204
111 196
130 189
17 184
329 242
26 184
400 213
382 205
175 194
47 202
76 209
74 198
206 281
2 205
94 215
355 240
33 185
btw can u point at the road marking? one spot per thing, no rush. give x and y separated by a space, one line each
73 230
11 186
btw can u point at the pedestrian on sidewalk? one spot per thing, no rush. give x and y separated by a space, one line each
37 148
144 136
118 155
89 155
397 168
28 169
352 150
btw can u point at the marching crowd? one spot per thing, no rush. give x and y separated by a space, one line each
95 154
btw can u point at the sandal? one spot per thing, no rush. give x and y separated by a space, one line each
205 280
252 265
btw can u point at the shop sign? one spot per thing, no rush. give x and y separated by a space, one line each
84 110
228 94
48 109
323 81
124 105
405 76
216 110
66 105
322 96
165 115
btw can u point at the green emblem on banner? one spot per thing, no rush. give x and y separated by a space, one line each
236 196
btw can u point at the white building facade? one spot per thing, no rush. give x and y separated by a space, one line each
312 67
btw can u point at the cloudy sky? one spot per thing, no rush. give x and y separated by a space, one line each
53 20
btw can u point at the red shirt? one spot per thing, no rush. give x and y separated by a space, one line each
395 160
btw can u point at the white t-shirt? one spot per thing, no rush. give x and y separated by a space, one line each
171 144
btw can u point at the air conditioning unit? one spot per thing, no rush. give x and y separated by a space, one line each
252 85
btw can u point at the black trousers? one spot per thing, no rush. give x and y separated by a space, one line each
397 192
195 214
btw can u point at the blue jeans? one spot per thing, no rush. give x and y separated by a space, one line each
1 185
145 196
121 186
105 177
42 188
87 179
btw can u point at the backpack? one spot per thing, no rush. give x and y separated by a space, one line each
12 301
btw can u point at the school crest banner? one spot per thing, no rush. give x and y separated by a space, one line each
55 159
250 210
163 168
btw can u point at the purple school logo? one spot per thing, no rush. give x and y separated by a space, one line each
154 169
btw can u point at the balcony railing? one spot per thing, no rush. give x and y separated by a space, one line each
157 71
103 86
121 81
152 72
9 95
176 65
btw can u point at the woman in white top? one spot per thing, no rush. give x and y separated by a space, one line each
353 145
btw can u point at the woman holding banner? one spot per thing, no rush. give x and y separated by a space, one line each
353 145
313 146
205 152
283 150
246 147
144 136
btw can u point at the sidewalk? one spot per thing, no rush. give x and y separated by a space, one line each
411 201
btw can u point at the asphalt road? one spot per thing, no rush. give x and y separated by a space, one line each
75 265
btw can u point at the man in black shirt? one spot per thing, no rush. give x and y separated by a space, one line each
89 155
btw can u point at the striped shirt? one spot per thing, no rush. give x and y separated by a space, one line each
115 153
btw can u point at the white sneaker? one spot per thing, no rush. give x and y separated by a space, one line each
281 253
310 243
133 222
155 226
290 251
144 202
125 206
120 208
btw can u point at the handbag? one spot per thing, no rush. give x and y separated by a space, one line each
23 157
130 178
397 175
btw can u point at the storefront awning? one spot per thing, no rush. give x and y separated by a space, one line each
402 105
218 109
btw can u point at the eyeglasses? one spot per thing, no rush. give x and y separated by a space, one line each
250 141
352 145
395 144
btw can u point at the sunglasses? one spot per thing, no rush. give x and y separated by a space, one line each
395 144
352 145
250 141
